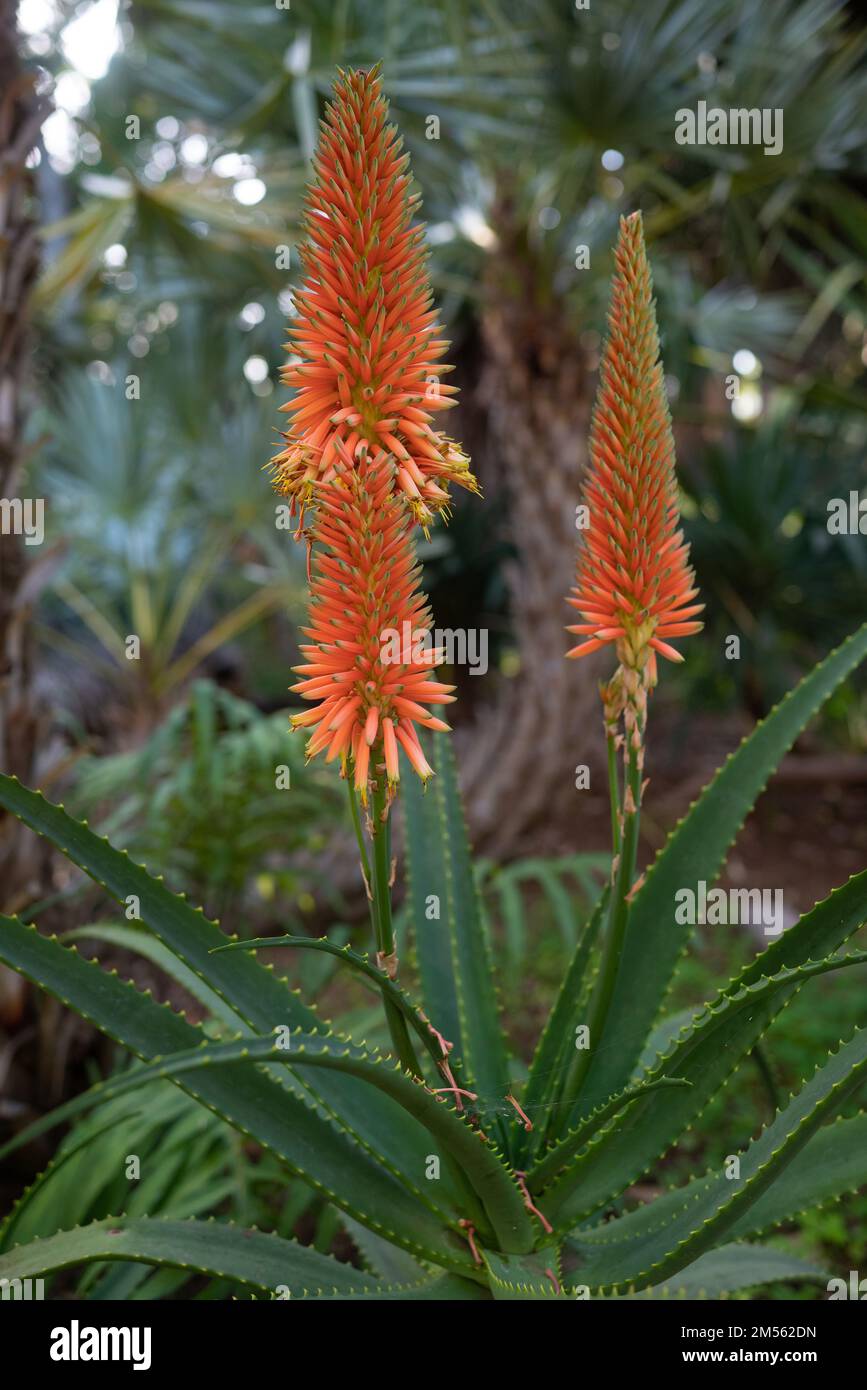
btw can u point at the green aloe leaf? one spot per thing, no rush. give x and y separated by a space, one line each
400 1206
435 1288
427 879
663 1035
264 1263
522 1277
361 964
491 1180
143 944
696 851
248 988
832 1163
195 1173
559 1157
382 1259
268 1265
705 1055
257 998
453 950
730 1269
648 1246
558 1037
30 1197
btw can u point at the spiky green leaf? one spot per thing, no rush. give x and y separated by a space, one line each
308 1141
522 1277
833 1163
695 852
648 1246
704 1055
731 1269
264 1263
258 999
558 1037
453 951
489 1177
144 944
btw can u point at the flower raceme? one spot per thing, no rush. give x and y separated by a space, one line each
364 585
365 342
634 584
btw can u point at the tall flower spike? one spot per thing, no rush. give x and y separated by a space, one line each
369 664
634 584
366 343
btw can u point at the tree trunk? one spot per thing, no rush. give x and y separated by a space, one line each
519 758
21 114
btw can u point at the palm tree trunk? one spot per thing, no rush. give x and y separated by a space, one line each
519 759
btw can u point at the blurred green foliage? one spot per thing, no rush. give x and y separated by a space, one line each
771 573
219 799
171 258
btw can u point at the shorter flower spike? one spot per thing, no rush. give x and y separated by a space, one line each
369 665
634 585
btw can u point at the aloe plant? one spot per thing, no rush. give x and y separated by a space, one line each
453 1185
460 1199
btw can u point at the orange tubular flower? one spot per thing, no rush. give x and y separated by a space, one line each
634 584
369 664
366 341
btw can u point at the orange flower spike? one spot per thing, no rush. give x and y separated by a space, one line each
634 585
368 663
365 341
